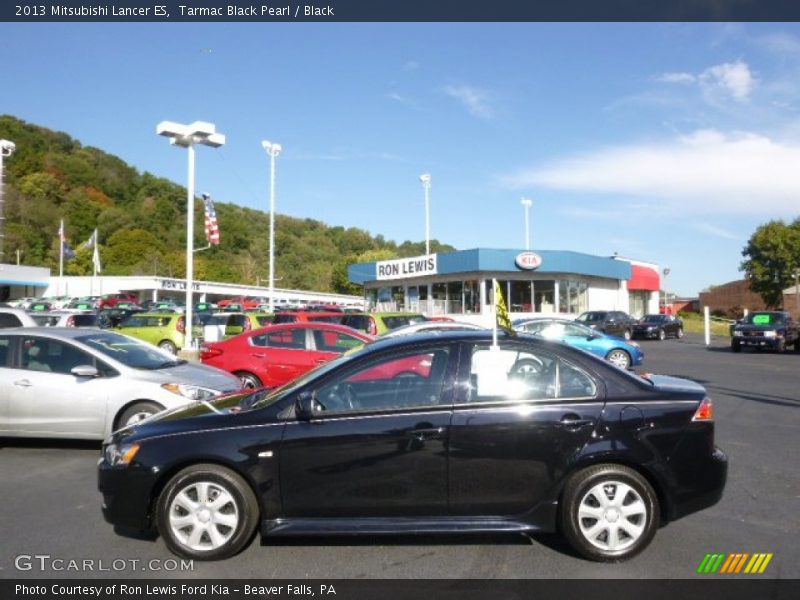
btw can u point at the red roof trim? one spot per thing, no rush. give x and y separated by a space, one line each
644 278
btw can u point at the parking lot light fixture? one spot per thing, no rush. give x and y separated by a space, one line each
187 136
425 178
273 150
6 149
527 203
666 272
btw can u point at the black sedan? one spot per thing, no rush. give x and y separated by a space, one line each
658 327
435 433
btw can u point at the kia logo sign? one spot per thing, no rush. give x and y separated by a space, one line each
528 261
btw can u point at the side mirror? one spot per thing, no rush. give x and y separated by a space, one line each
84 371
305 406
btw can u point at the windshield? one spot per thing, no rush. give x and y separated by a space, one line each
128 351
653 319
591 317
764 318
279 392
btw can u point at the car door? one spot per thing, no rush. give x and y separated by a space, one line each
378 445
46 398
520 415
280 356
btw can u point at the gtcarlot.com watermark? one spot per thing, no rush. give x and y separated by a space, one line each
47 562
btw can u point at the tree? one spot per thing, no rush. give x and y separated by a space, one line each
771 256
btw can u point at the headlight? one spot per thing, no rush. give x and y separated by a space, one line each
737 334
194 392
120 454
651 328
770 334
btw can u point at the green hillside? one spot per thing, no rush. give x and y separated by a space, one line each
141 222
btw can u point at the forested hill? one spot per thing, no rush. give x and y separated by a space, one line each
141 222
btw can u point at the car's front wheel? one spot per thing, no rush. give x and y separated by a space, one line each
609 512
619 358
662 335
207 512
627 334
679 333
136 412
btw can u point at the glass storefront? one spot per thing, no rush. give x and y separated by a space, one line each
573 296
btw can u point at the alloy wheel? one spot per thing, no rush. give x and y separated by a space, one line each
203 516
612 516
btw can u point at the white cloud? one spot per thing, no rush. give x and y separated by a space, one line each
676 78
475 100
716 231
734 79
718 83
742 173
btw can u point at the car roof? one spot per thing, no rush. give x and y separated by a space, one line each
53 332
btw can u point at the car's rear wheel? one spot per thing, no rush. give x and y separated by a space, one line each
619 357
249 381
207 512
609 512
136 412
168 346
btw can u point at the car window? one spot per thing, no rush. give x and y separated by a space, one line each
284 319
294 339
356 321
413 379
5 350
326 318
515 373
53 356
333 341
264 320
9 320
574 329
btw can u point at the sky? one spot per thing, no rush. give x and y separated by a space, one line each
667 142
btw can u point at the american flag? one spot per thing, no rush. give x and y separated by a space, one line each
212 227
66 251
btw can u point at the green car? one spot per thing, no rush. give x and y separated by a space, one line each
165 330
377 323
235 323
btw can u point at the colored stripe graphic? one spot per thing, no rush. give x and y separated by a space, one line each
732 564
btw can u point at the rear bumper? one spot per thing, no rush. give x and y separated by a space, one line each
705 486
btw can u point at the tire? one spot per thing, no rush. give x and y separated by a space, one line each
249 381
781 347
735 347
627 334
679 333
662 335
609 513
168 346
619 358
136 412
207 512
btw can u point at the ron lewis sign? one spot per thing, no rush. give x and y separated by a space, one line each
402 268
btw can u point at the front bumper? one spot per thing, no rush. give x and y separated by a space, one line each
126 495
757 341
644 333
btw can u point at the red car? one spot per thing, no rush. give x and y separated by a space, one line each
111 300
297 316
246 302
276 354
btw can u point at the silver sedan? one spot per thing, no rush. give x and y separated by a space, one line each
85 383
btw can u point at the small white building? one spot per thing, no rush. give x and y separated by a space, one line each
20 282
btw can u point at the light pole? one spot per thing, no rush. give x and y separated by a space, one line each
186 136
6 149
666 272
527 203
425 178
796 274
273 150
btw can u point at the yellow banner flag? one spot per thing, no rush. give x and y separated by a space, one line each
503 320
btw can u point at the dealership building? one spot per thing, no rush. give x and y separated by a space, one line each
459 284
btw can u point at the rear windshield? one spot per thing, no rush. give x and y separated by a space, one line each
264 320
653 318
84 320
326 318
402 321
284 319
356 322
591 317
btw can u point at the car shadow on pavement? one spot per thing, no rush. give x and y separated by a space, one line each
762 398
50 444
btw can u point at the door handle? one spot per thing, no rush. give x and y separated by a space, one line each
426 433
23 383
321 361
259 355
573 421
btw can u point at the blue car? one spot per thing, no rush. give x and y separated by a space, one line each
615 350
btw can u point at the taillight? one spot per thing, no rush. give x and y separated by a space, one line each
207 352
704 412
181 325
71 321
372 328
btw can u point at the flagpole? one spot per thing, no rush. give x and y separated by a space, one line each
61 258
494 313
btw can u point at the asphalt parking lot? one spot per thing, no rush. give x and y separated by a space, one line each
52 506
